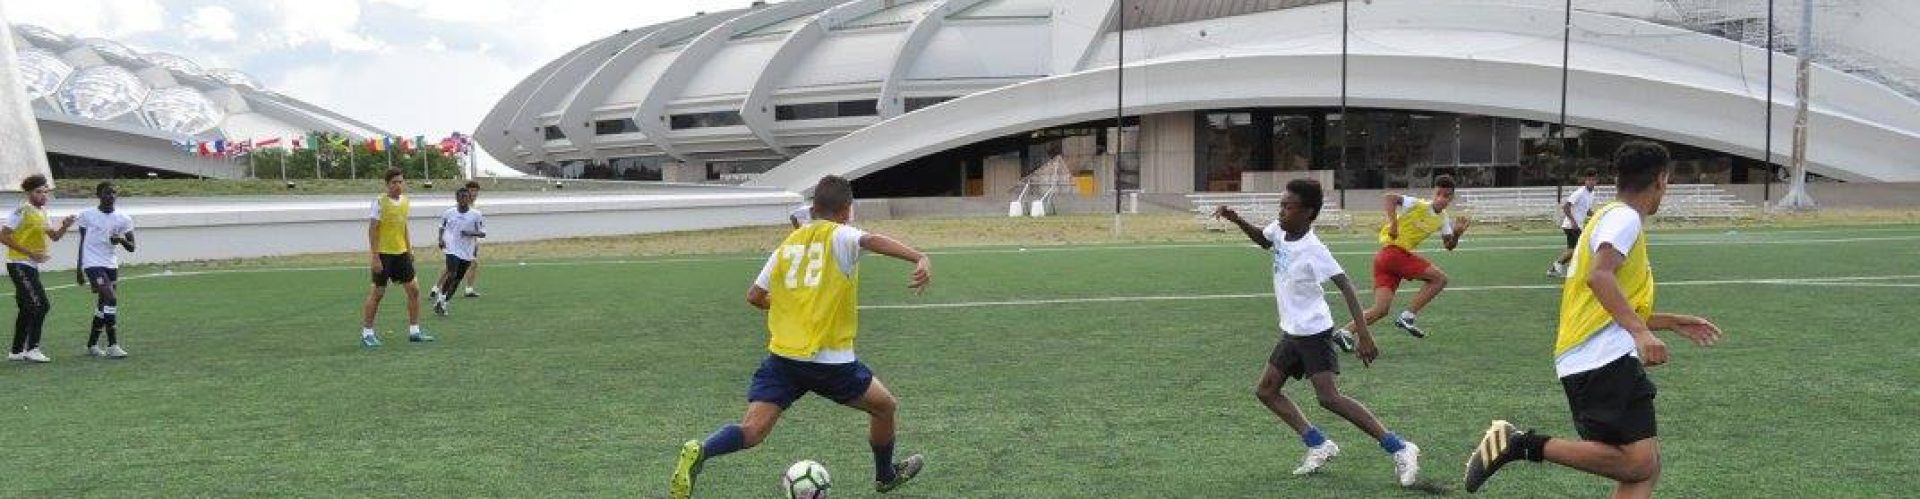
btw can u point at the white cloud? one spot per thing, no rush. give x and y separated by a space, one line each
99 18
335 24
212 23
407 90
436 45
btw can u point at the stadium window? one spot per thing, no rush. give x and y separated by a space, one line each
615 127
553 133
825 110
705 120
918 103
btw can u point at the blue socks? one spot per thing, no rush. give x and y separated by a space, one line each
1312 437
883 462
1391 443
726 440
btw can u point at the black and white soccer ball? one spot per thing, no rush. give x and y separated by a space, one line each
805 480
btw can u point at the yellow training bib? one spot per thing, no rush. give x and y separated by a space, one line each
814 303
393 225
1580 312
1416 225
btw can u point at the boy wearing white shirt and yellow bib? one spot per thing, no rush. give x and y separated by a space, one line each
810 288
1604 339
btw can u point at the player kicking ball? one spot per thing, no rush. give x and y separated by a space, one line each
1300 264
1605 337
810 291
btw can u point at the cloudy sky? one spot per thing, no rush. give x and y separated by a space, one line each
413 67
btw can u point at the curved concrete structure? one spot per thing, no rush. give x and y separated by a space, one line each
1011 66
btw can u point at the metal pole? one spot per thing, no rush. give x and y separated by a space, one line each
1345 119
1766 192
1566 62
1797 198
1119 110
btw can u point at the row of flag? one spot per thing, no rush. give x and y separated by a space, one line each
456 144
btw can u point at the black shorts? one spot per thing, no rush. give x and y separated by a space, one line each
1573 237
1613 404
101 277
456 269
781 381
394 268
1302 356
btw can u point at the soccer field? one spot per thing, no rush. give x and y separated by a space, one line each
1086 371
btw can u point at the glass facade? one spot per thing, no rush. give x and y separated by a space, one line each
1391 149
705 120
615 127
824 110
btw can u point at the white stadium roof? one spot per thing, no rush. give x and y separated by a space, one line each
807 81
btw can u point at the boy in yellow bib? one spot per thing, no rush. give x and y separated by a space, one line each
391 248
1605 336
27 236
810 288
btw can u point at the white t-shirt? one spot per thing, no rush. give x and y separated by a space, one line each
1298 269
1620 227
1446 224
846 252
453 224
98 229
1582 200
804 214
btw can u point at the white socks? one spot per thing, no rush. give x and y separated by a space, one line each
366 332
1406 315
413 329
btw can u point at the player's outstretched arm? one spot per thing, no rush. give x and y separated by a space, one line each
1393 214
1460 225
1252 233
922 265
61 231
1698 329
1365 349
1606 289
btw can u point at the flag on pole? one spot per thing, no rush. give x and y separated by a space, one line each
378 145
420 142
220 147
313 141
264 143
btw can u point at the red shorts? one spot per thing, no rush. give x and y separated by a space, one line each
1392 265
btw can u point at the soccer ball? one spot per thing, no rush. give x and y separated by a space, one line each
805 480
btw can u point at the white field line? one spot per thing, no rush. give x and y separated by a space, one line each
1048 249
1829 281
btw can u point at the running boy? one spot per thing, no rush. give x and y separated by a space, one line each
1300 264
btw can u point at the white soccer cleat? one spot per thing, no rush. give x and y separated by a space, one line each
1317 457
115 352
34 355
17 356
1406 464
96 351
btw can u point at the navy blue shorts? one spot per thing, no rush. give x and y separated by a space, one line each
100 277
782 381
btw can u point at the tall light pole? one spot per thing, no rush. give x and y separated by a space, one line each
1797 198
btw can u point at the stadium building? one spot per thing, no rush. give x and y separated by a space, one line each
105 110
981 97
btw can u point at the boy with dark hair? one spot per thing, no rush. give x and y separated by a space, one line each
101 229
26 236
473 264
1605 337
1410 221
810 290
461 228
1300 264
392 253
1574 211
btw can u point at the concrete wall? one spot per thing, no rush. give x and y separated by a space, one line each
21 152
208 229
132 146
1167 152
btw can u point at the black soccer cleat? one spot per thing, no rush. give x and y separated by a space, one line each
1344 339
1414 330
902 472
1499 446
